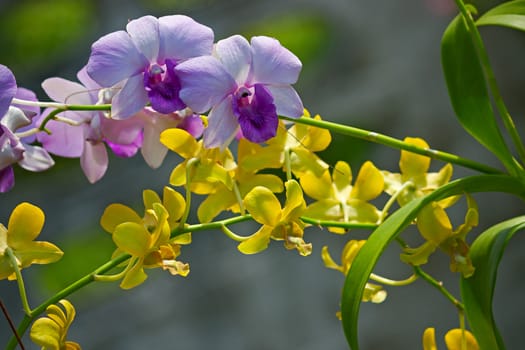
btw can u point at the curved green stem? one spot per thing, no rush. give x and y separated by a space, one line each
439 286
394 143
341 224
21 286
52 115
82 282
491 80
233 235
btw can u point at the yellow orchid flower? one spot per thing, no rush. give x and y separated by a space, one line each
211 166
434 225
373 292
297 144
414 171
224 198
455 339
51 332
337 199
278 223
25 224
147 239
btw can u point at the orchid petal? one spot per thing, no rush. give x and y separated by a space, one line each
205 82
181 38
222 125
25 224
236 55
7 179
152 150
14 119
94 161
286 100
144 33
65 140
114 57
131 99
36 159
257 242
272 63
117 213
369 183
28 95
262 204
65 91
133 238
7 88
123 131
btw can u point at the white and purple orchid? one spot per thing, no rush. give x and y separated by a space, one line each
87 132
14 147
140 61
244 85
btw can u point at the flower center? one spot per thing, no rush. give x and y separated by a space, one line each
256 113
163 87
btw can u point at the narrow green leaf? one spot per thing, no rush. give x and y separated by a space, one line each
477 291
370 253
467 89
509 14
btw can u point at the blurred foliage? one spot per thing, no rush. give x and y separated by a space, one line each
172 6
306 35
40 31
84 250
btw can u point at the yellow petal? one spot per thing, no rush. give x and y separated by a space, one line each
25 223
317 187
433 223
316 139
304 160
456 336
132 238
179 141
178 175
262 204
134 277
175 204
215 203
38 253
429 339
295 204
342 178
412 164
328 261
257 242
149 197
116 214
46 333
369 183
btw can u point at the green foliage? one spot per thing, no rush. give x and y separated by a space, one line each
477 291
509 14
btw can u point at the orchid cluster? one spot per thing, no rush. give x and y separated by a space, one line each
158 74
250 152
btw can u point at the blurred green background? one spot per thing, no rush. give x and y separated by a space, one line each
372 64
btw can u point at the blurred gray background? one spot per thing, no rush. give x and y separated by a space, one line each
372 64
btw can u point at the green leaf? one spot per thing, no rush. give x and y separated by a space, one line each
478 290
370 253
509 14
467 89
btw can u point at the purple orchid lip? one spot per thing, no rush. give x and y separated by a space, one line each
163 87
256 113
7 89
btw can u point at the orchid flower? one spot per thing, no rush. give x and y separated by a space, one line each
140 62
87 132
14 147
243 85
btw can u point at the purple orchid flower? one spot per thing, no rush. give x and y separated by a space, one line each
14 147
243 85
88 132
140 63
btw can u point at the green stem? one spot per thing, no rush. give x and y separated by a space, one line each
233 235
393 199
341 224
238 197
491 80
21 286
439 286
52 115
82 282
394 143
211 225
